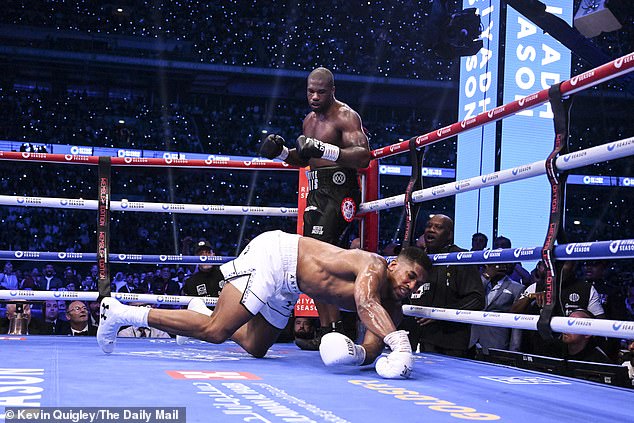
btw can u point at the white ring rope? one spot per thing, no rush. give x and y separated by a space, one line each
138 206
14 295
582 326
604 152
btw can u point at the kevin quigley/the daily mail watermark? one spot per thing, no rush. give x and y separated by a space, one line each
95 414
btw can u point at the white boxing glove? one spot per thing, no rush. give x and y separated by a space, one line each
399 364
336 349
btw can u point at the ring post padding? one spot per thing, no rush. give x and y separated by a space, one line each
103 226
557 181
415 184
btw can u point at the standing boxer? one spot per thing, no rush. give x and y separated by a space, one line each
334 144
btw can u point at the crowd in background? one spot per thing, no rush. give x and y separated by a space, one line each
387 41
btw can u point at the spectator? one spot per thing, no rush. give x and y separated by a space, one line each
50 282
458 287
77 314
501 292
577 347
575 293
8 279
207 281
93 307
71 277
519 274
163 283
88 284
50 324
304 327
479 241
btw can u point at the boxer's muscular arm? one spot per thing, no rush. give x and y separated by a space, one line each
355 151
372 274
352 150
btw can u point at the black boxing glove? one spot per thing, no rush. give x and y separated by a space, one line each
273 148
311 148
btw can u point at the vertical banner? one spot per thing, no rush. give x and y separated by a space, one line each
533 61
103 227
476 148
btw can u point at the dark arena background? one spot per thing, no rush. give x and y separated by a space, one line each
194 87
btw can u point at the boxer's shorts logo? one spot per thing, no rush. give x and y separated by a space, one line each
614 246
348 209
339 178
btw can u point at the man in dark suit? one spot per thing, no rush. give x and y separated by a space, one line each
51 324
77 314
50 282
501 292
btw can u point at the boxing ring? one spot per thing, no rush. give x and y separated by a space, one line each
223 383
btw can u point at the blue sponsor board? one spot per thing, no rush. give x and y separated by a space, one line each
606 181
429 172
476 148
